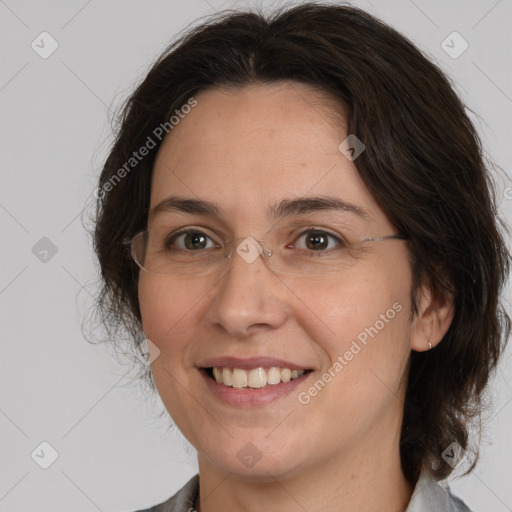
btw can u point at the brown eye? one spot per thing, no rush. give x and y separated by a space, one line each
190 241
317 240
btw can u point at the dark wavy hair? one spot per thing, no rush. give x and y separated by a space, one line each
424 165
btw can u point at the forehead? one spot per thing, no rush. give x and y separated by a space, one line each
251 147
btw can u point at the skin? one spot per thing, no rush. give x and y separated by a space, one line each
245 149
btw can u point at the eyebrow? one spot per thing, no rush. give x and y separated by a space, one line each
284 208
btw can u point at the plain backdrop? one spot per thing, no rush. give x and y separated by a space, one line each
107 451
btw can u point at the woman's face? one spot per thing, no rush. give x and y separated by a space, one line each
247 151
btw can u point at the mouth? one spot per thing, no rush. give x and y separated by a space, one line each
255 378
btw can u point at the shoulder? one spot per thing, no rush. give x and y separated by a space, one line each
459 505
182 501
432 496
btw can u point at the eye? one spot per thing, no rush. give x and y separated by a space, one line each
190 240
318 240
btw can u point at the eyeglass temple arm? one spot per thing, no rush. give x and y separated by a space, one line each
385 237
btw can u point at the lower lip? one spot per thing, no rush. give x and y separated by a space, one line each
250 397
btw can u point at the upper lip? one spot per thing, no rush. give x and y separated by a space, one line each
249 363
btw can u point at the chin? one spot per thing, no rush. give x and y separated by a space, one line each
260 459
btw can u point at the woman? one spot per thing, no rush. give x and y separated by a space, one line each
297 217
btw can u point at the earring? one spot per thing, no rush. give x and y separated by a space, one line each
429 344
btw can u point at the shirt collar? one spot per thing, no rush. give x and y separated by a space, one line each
429 495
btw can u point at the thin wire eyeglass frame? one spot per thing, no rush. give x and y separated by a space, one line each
265 252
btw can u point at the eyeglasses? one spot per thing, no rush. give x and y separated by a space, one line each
300 250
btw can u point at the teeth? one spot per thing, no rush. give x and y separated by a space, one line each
239 378
217 375
273 376
226 377
286 374
255 378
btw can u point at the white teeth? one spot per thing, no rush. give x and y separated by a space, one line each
239 378
286 374
273 375
217 374
255 378
226 377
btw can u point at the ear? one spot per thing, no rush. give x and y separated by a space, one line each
434 317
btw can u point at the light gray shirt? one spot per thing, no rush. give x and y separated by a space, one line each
428 496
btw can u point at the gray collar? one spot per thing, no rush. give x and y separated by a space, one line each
430 495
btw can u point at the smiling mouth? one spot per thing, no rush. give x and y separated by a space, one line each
255 378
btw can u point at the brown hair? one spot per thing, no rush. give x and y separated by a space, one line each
423 164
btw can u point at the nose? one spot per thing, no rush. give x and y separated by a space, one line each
248 297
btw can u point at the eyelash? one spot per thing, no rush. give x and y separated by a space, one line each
307 230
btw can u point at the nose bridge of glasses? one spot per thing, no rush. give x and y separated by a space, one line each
249 249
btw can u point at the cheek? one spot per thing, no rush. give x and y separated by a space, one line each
365 320
363 338
169 309
163 302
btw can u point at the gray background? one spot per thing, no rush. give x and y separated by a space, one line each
55 132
